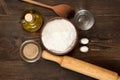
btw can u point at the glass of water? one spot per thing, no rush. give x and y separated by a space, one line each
84 19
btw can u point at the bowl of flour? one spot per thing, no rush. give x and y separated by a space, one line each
59 36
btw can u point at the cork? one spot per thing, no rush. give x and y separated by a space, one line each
28 17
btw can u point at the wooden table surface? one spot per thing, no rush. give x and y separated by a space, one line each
104 40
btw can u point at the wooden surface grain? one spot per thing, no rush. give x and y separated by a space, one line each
104 40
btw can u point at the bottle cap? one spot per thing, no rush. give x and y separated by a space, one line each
28 17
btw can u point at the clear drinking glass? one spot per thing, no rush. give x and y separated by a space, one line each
84 19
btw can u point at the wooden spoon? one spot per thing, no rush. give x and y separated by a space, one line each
62 10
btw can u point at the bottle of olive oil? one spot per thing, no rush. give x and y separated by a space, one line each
31 20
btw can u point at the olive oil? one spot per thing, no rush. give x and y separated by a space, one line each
31 20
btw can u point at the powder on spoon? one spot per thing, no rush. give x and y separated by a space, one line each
59 36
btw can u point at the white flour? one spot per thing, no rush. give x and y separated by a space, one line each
59 36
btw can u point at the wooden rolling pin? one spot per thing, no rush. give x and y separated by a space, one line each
82 67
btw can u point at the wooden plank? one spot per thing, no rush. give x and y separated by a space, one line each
104 41
5 7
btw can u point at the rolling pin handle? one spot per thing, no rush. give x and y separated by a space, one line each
82 67
118 78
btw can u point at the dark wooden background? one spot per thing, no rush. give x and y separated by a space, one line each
104 40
